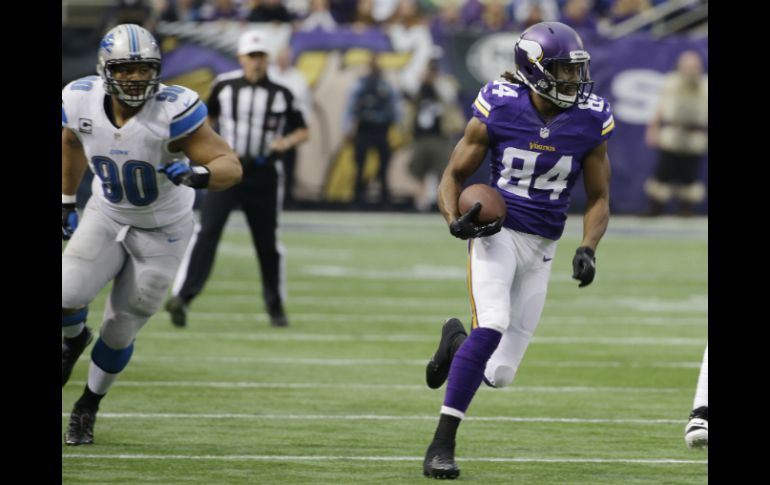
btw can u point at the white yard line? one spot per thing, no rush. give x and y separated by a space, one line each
384 387
624 461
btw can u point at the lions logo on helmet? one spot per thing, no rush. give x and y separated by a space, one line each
540 50
129 44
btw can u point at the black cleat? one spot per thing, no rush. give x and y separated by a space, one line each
177 308
696 433
440 463
81 427
437 370
71 350
278 316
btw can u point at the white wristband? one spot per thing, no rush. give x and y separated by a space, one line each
68 199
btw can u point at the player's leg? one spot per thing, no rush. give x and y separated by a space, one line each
215 210
492 264
383 149
360 149
696 433
136 295
91 259
262 209
528 295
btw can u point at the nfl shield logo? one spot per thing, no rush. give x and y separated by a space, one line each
544 132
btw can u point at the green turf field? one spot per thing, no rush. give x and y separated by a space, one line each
601 397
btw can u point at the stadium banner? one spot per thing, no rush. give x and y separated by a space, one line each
628 72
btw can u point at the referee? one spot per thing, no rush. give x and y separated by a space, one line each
252 114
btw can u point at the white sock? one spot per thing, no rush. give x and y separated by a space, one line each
702 391
72 331
99 381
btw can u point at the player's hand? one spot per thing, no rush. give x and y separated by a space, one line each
196 177
464 228
69 221
584 266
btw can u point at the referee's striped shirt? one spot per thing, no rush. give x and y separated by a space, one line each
249 116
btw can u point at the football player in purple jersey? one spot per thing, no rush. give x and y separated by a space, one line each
542 126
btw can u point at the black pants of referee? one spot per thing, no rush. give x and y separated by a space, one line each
258 197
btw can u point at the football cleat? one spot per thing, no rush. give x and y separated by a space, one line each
81 427
437 370
71 350
278 316
177 308
440 463
696 433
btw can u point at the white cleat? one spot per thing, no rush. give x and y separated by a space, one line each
696 433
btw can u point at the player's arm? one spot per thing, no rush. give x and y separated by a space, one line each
204 147
73 162
465 159
596 178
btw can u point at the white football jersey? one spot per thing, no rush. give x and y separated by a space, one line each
128 187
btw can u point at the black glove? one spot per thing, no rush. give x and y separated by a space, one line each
465 228
69 220
584 266
196 177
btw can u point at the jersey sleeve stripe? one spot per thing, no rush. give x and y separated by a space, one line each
609 120
189 123
183 113
609 127
483 102
63 117
481 107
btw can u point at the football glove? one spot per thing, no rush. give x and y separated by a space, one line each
196 177
464 228
584 266
69 220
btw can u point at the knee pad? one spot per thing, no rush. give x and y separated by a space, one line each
71 319
111 360
73 286
658 191
151 287
692 193
503 376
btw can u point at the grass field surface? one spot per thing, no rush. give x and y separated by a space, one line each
601 397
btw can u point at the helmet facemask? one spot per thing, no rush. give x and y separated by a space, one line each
131 92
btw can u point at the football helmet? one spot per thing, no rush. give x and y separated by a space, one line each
541 50
129 44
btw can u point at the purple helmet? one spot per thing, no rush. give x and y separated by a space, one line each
550 59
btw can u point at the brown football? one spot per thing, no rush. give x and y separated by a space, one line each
492 203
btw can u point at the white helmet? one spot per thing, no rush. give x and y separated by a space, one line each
124 44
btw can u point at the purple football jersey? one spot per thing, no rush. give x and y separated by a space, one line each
534 164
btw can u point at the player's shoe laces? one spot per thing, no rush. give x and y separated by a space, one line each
696 433
81 427
71 350
437 370
440 462
177 308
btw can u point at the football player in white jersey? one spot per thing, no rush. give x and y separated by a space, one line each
696 432
137 136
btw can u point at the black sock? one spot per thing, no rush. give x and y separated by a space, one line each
89 400
446 429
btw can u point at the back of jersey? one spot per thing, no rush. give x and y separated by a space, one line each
128 187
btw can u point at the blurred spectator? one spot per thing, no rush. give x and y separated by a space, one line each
407 14
364 17
268 11
128 12
470 12
494 17
437 119
625 9
382 10
319 18
284 73
446 21
530 12
343 11
679 129
220 10
371 109
578 14
180 10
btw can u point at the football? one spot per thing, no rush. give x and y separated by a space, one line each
492 203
